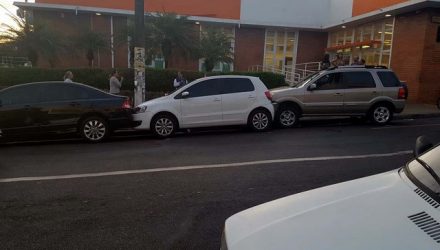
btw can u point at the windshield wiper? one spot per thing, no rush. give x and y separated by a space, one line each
429 169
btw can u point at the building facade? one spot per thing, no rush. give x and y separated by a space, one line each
281 35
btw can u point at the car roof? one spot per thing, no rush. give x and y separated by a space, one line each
228 76
52 82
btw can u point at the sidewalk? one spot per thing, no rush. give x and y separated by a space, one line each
414 110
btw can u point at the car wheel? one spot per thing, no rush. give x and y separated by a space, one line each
288 117
164 126
381 114
94 129
260 120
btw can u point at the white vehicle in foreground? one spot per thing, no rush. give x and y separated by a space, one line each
209 102
396 210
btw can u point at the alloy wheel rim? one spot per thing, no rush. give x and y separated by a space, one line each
260 121
164 127
287 118
94 130
381 114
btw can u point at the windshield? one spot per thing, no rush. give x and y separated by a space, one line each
431 158
308 79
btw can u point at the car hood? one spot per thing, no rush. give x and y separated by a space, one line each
155 101
369 213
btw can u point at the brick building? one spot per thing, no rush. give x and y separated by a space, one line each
281 35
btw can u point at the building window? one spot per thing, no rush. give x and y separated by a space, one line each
279 51
371 42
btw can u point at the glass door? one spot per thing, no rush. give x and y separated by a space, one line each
279 50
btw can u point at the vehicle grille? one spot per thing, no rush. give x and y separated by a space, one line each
429 225
427 198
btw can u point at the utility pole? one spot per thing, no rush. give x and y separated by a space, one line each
139 53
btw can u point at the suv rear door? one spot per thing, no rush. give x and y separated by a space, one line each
360 90
327 98
238 98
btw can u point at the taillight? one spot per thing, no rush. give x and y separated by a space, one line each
126 104
402 93
268 95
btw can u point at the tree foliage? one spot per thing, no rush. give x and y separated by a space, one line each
33 39
215 47
91 42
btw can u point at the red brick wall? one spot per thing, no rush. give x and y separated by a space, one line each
430 75
311 46
407 51
249 47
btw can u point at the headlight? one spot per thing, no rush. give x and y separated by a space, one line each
140 109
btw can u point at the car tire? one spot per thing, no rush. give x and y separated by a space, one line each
287 117
260 120
94 129
381 114
164 126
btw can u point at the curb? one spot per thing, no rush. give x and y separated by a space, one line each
416 116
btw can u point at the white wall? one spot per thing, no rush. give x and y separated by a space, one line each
291 13
295 13
339 10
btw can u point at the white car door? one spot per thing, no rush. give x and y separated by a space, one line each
202 106
238 99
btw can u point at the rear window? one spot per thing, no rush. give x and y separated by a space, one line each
389 79
25 94
237 85
354 80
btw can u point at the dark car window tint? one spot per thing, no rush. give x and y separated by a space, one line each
26 94
205 88
236 85
329 81
389 79
64 92
354 80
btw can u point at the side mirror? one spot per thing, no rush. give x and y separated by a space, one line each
185 94
312 86
422 145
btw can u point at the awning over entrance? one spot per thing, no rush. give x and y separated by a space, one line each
370 43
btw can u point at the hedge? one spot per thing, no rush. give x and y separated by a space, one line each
157 80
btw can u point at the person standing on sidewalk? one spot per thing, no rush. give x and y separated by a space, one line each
68 76
115 83
179 81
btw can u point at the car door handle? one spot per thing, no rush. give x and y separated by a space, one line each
217 99
74 104
251 97
337 94
27 107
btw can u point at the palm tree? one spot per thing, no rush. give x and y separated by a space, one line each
167 33
33 39
91 42
215 47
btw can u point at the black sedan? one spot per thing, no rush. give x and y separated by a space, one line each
59 107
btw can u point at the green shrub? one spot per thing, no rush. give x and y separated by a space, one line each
159 81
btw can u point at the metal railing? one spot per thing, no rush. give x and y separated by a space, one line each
14 61
289 76
292 74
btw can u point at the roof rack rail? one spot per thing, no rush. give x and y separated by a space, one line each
359 66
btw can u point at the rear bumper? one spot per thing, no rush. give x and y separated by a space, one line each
399 106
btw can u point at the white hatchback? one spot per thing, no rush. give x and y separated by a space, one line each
209 102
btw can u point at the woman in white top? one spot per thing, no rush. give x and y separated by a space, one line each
68 76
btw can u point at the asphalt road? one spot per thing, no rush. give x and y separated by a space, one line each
136 192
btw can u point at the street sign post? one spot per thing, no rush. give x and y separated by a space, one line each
139 53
